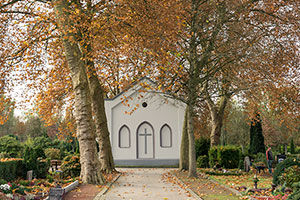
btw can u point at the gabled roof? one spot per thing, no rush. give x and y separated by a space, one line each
134 84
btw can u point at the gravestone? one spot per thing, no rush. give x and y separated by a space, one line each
29 175
56 193
247 164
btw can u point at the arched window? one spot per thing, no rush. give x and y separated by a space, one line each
165 136
124 137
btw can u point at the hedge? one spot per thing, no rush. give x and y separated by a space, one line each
11 169
225 156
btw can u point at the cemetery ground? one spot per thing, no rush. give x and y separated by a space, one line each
207 186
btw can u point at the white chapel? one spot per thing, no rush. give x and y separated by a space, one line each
145 126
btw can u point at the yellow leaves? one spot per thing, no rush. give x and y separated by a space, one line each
25 43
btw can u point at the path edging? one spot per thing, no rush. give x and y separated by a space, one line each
68 188
194 195
106 188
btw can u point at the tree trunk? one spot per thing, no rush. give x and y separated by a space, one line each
97 96
192 151
217 117
215 135
184 147
90 165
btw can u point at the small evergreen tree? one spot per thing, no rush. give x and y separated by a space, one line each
292 146
257 142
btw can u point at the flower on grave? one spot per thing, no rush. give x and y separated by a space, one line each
5 187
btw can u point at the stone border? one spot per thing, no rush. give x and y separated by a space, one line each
194 195
68 188
106 188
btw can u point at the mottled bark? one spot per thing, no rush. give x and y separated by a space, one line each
184 147
90 165
97 96
217 118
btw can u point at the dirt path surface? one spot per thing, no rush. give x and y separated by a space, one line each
83 192
146 184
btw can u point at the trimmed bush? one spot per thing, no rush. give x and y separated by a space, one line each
225 156
202 146
11 169
71 166
282 166
202 161
213 156
229 156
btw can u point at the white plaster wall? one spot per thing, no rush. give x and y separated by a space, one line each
157 113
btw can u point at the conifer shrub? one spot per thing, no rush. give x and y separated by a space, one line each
280 167
290 176
34 159
296 192
256 136
71 166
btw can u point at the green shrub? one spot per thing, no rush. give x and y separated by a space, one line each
213 156
296 192
33 159
202 161
261 158
52 153
202 146
43 142
24 182
292 147
42 168
11 146
229 156
256 136
11 169
241 165
71 166
225 156
282 166
4 155
290 176
297 150
2 181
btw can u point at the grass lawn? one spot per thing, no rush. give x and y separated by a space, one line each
206 189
